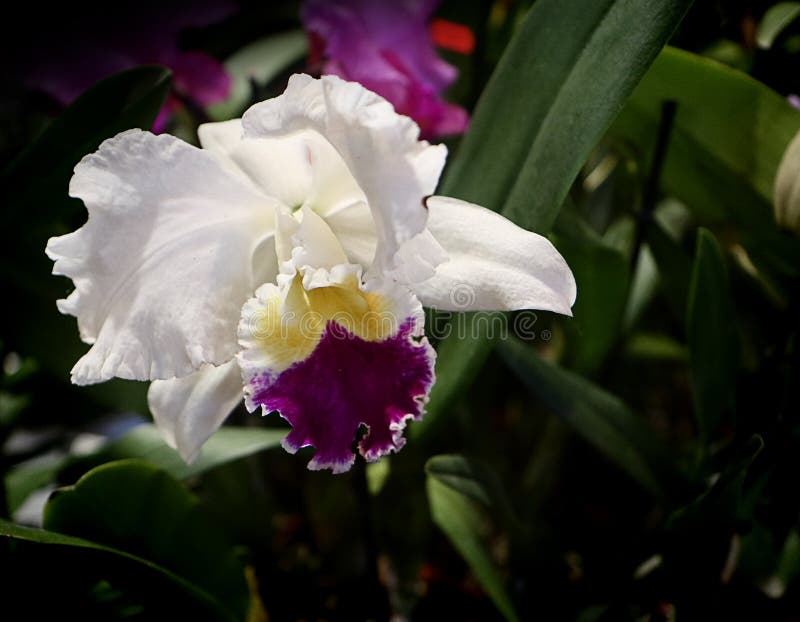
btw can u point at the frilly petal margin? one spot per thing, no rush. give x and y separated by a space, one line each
163 265
494 265
345 382
381 149
188 410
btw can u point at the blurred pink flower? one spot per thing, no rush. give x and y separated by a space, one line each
94 45
386 46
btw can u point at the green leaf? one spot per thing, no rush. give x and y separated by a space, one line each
133 506
459 358
255 65
459 498
561 81
475 481
789 563
655 346
728 138
713 338
674 267
718 506
157 532
602 274
600 418
156 585
145 443
775 21
725 119
227 444
26 478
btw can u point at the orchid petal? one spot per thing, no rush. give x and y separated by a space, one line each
315 244
163 265
379 147
494 264
221 138
188 410
301 169
355 230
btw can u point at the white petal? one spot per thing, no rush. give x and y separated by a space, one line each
417 259
380 148
494 264
221 138
187 411
300 169
355 230
164 263
315 245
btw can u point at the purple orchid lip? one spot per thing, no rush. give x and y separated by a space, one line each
347 382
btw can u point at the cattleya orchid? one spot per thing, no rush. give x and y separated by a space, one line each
386 46
286 261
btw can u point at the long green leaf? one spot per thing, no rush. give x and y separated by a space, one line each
720 504
728 138
724 119
475 481
563 78
713 338
145 443
459 497
119 568
561 81
674 267
602 274
459 359
599 417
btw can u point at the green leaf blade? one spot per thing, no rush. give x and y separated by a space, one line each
713 339
458 498
144 442
121 566
565 75
561 81
599 417
133 506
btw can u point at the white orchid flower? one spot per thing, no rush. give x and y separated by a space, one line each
286 262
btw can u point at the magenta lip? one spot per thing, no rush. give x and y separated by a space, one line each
345 382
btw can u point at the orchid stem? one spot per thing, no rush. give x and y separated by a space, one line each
377 599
